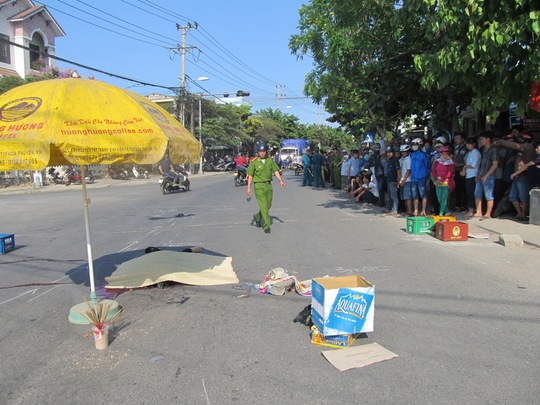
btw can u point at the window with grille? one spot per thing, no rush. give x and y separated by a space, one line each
5 55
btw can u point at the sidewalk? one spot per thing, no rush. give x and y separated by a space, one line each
529 233
104 182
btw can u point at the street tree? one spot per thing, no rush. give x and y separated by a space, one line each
487 49
363 54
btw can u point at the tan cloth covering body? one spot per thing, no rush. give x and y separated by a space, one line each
180 267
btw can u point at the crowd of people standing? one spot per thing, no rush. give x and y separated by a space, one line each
438 175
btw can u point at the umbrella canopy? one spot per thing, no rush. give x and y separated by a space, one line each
83 122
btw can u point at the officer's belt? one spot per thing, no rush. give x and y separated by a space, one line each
260 182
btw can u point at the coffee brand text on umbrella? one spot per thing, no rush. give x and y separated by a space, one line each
22 127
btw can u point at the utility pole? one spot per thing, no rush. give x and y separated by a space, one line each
279 97
181 105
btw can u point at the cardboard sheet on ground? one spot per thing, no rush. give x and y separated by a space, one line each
180 267
358 356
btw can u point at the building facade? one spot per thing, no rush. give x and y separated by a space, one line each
27 35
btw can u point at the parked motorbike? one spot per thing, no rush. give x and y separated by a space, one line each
89 177
208 167
298 169
230 166
73 176
240 176
169 185
219 165
117 173
140 172
54 177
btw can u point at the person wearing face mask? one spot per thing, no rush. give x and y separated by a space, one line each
420 167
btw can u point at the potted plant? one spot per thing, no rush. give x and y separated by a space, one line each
97 316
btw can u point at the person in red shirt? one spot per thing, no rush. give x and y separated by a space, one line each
443 178
241 160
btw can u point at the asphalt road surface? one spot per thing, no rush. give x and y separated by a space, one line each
463 317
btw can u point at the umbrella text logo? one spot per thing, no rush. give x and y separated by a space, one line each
19 109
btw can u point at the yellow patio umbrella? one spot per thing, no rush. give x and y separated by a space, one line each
82 122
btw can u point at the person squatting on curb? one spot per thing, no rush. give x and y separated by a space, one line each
260 173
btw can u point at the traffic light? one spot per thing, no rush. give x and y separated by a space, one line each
242 93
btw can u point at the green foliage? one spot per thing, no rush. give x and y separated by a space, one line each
488 50
378 61
363 52
7 83
226 124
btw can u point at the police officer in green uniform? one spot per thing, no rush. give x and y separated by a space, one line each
260 173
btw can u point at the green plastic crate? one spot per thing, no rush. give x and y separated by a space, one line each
418 225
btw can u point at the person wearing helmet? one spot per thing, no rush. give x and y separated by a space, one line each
420 166
441 140
405 181
260 173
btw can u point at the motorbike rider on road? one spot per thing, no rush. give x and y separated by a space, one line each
165 167
241 161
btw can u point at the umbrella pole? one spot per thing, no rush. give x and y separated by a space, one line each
86 202
77 311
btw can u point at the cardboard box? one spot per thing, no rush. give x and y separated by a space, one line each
452 231
342 305
338 341
7 243
419 225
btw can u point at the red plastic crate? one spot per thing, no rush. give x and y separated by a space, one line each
452 231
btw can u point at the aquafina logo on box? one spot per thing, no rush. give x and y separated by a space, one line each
349 311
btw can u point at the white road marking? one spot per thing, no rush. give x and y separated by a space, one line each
19 296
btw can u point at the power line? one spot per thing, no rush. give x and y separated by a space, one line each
209 37
146 31
44 54
104 28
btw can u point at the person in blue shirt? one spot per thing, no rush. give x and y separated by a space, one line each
308 175
317 162
420 169
354 168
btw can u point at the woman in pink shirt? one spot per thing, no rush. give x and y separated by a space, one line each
443 178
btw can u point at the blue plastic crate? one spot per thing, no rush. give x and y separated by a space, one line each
7 243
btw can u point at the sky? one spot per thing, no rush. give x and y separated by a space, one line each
237 45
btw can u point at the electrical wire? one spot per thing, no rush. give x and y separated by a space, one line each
146 31
205 58
99 26
46 55
209 37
